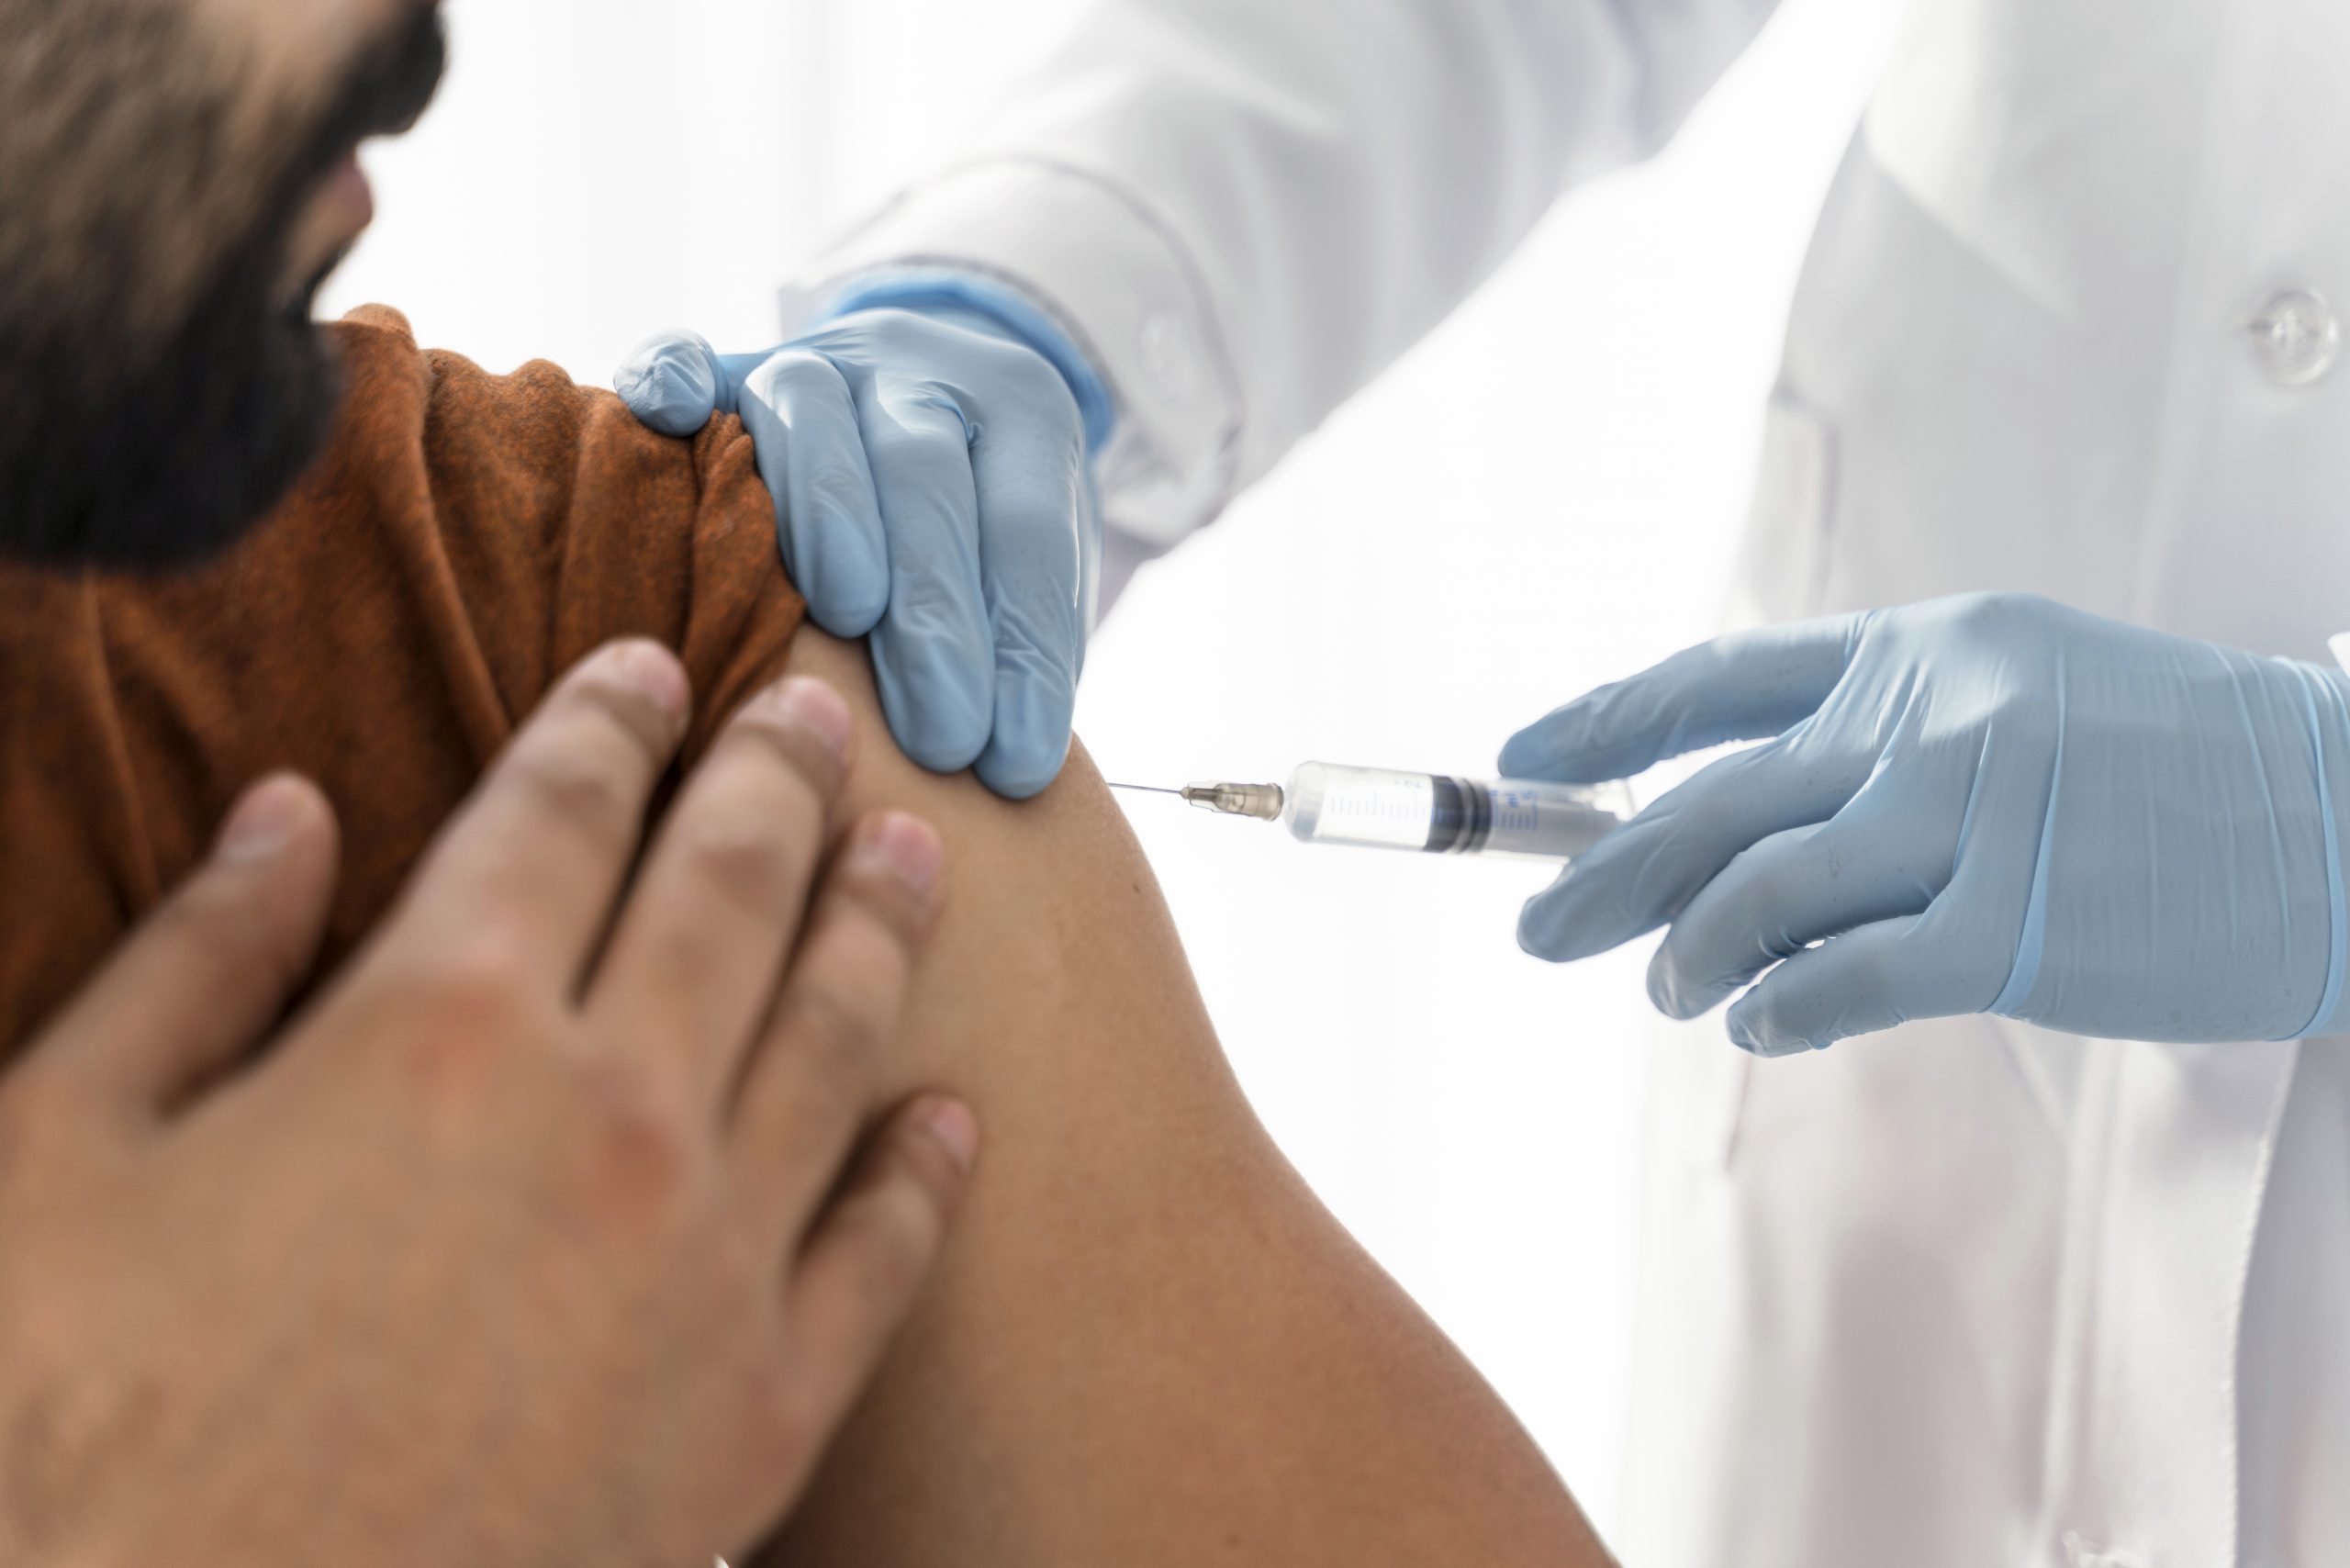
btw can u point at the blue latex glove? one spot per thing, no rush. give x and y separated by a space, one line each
1991 803
933 491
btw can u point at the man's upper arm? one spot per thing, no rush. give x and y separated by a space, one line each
1148 1344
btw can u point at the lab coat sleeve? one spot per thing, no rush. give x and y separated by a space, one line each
1242 210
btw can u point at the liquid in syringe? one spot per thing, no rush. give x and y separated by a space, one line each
1435 813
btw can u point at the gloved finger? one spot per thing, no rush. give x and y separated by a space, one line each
933 654
674 382
1867 980
1035 505
1976 948
1788 891
1645 874
803 424
1749 686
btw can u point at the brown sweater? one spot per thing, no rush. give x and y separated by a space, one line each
466 538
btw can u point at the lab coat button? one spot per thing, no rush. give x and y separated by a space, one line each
2080 1554
1167 357
2298 337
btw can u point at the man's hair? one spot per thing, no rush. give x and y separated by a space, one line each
157 391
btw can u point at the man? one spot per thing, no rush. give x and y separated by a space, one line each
526 1241
537 1249
1978 1291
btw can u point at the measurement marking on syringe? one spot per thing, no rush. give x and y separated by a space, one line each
1381 807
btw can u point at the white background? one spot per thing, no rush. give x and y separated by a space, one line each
1543 496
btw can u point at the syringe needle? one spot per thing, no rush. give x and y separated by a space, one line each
1147 788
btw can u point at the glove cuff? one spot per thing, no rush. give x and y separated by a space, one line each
2327 708
1009 309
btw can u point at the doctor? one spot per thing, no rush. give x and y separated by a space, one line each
2058 1271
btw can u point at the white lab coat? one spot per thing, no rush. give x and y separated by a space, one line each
1973 1293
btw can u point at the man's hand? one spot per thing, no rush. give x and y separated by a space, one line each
553 1233
932 490
1989 803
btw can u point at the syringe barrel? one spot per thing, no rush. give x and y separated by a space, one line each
1439 814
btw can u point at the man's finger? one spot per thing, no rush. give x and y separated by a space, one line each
531 864
802 420
693 967
1033 500
933 654
207 974
864 1266
809 1091
1747 687
1644 874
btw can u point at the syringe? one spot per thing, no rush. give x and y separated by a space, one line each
1324 802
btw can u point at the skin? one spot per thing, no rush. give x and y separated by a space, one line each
550 1234
1148 1343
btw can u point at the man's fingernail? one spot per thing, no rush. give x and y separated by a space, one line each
813 706
908 848
651 672
950 1124
264 820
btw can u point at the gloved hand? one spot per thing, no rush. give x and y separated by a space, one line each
932 490
1989 803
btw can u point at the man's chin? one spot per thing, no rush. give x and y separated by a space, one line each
329 228
301 311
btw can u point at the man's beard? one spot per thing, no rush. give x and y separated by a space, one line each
122 448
